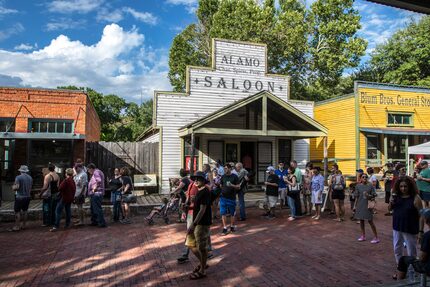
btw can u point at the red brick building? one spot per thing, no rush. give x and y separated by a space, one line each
38 126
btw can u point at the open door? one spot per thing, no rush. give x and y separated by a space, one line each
264 159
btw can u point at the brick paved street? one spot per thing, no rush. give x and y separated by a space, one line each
262 253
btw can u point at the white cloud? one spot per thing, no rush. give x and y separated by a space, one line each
190 5
379 23
10 31
4 11
25 47
145 17
115 64
65 24
113 16
71 6
117 15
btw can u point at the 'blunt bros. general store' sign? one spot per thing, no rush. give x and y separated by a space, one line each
400 100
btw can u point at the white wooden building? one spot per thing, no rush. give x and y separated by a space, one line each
234 111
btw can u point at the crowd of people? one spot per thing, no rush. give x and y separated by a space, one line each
79 183
218 189
221 189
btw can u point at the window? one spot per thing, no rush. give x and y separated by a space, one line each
372 147
400 119
7 125
187 154
284 151
50 126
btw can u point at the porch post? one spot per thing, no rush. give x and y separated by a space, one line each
325 158
192 154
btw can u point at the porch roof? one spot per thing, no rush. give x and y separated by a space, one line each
300 124
396 131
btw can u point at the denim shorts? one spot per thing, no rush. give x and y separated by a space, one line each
227 206
21 204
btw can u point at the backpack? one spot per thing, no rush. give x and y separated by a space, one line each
339 182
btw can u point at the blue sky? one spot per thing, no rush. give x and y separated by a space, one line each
115 46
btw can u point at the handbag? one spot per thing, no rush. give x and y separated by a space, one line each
130 198
371 204
293 190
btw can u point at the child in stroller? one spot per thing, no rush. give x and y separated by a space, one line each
168 205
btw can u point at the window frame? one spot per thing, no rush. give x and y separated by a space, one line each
12 126
49 122
393 113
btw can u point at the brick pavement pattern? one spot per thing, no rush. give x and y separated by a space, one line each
261 253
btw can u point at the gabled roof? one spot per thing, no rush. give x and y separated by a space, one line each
315 129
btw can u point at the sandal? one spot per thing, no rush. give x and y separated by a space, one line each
197 269
197 275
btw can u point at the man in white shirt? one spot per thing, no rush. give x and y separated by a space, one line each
81 181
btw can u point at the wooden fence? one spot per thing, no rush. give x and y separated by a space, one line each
139 157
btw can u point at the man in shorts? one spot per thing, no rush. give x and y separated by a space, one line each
423 183
229 186
272 184
22 188
282 186
198 231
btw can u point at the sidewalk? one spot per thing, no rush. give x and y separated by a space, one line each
144 205
261 253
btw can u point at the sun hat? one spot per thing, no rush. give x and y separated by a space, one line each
23 168
198 175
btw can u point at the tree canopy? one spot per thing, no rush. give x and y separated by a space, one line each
313 45
120 120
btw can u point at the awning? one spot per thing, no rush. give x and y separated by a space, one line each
41 136
420 149
397 131
419 6
262 114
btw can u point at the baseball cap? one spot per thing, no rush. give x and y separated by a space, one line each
359 170
424 162
270 168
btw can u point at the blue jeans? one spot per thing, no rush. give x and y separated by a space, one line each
59 211
117 210
97 216
48 206
241 197
292 206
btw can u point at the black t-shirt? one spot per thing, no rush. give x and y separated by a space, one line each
388 183
115 184
203 197
127 180
228 191
270 189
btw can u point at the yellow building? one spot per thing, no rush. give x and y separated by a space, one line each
372 126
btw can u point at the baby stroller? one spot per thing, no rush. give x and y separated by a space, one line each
169 206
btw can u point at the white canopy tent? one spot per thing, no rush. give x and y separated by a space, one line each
423 149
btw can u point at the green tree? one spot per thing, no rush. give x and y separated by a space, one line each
404 58
313 46
120 121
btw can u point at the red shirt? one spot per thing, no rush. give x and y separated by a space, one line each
67 190
191 193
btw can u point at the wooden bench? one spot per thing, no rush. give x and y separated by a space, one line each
145 184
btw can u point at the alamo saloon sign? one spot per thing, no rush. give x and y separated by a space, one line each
240 71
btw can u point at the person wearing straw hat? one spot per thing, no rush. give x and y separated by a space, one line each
22 188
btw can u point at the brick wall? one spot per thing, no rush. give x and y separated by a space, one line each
25 104
93 125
